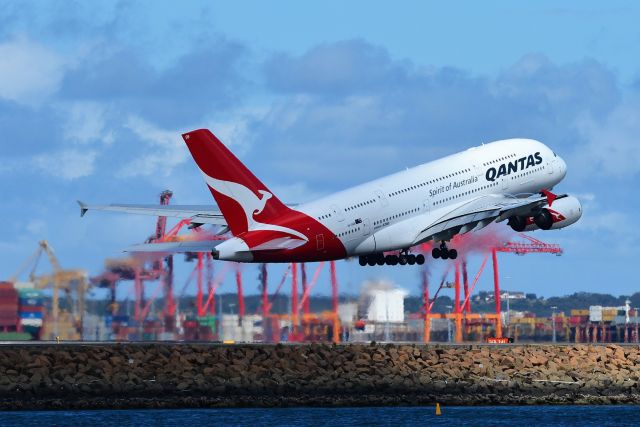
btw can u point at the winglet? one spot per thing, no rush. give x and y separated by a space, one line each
550 196
83 208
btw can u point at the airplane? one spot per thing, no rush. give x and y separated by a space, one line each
379 221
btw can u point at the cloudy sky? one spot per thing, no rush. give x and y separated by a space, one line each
314 98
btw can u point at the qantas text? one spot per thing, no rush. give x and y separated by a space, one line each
512 167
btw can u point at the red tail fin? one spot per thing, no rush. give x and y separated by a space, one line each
241 196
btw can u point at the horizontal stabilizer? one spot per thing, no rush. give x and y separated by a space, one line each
196 213
175 247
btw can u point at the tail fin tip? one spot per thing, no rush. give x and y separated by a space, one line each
237 191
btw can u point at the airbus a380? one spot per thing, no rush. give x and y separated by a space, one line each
379 221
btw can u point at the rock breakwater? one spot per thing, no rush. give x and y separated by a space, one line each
66 376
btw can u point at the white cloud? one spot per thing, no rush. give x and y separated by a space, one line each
610 222
36 227
613 144
86 123
604 224
598 220
233 127
232 133
29 72
166 150
66 164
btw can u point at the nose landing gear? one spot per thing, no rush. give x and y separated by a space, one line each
444 252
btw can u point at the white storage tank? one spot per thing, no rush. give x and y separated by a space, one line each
382 301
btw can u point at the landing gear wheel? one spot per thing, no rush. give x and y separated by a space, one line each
402 260
371 261
443 252
391 260
362 260
380 260
411 259
420 259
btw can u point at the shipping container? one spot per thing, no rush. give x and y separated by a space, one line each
30 315
30 301
582 312
31 322
10 324
166 336
31 308
30 293
8 306
24 285
595 313
8 291
578 320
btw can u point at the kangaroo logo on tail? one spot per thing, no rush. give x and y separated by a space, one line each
250 203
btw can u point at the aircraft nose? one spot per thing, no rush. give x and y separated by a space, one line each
562 167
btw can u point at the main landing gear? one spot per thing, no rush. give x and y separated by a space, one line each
403 258
444 252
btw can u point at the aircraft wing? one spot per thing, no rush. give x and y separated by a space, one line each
209 246
201 214
477 214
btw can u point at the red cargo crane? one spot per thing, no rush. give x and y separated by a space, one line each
300 304
462 312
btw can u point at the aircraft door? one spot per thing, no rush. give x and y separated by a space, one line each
366 227
426 205
505 182
337 212
477 171
381 198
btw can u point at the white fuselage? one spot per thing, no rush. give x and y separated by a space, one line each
384 214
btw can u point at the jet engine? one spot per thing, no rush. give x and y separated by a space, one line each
564 211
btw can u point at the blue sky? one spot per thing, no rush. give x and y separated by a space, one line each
314 98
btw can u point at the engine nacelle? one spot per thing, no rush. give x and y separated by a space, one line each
564 211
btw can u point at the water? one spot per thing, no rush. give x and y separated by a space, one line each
396 416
